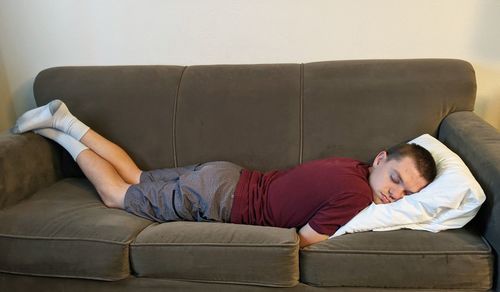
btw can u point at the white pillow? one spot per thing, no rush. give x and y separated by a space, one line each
450 201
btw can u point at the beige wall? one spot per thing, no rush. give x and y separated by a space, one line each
38 34
7 113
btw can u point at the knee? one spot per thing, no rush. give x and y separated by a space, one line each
109 202
112 197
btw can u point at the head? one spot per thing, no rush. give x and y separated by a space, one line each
399 171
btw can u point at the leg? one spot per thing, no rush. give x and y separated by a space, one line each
110 186
166 174
114 154
207 192
56 115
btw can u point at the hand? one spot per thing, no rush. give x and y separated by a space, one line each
309 236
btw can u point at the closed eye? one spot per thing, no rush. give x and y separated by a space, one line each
395 179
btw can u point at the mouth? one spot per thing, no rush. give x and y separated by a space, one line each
384 198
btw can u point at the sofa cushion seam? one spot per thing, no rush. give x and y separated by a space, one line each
174 118
261 284
354 252
67 276
210 245
24 237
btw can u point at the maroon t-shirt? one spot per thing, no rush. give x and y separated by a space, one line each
325 193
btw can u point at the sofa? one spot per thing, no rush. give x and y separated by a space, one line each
57 235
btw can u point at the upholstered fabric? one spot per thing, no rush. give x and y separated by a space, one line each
356 108
452 259
66 231
247 114
218 253
478 144
263 117
11 282
132 106
27 163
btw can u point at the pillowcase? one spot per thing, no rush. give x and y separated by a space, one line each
450 201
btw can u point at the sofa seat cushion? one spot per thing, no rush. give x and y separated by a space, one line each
66 231
400 259
217 252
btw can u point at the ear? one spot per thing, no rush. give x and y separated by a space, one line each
380 158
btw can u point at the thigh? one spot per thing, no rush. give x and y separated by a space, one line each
166 174
202 192
153 200
208 191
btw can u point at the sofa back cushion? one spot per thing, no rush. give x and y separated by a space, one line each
245 114
262 116
130 105
357 108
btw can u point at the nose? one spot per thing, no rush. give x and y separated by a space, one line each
396 192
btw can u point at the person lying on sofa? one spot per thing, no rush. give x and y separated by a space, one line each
316 197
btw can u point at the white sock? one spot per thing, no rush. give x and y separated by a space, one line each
39 117
56 115
73 146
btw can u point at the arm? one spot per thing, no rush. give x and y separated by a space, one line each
28 162
309 236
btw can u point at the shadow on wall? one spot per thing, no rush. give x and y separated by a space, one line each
486 41
7 111
485 49
488 93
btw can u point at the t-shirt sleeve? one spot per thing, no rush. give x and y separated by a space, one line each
336 213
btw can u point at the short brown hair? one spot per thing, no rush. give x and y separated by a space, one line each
423 159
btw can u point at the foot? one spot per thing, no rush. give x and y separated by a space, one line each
40 117
55 115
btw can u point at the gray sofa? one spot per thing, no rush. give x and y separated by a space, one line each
56 235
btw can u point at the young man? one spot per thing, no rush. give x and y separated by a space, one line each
317 197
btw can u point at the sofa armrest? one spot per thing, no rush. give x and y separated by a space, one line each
28 163
478 144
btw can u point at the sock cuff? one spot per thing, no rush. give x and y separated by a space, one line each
77 150
79 131
73 146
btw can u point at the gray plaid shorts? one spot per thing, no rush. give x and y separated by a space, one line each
202 192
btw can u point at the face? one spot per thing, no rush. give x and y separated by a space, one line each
390 180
